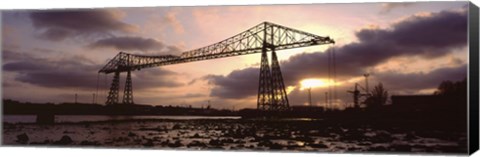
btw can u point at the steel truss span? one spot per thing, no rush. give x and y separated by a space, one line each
262 38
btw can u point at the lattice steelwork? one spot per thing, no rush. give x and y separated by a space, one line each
279 95
265 92
259 39
113 94
128 92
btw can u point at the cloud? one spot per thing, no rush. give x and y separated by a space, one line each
155 78
387 7
67 73
420 80
81 73
427 37
11 55
61 24
128 43
415 36
135 43
236 85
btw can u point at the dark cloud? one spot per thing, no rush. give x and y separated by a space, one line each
11 55
133 43
80 72
236 85
154 78
416 36
71 73
25 66
60 24
56 34
428 37
416 81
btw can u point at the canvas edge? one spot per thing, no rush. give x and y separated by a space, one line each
473 70
473 107
1 79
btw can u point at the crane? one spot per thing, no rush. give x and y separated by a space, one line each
357 94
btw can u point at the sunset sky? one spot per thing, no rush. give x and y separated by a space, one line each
49 56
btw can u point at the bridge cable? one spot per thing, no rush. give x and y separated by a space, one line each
96 92
105 85
329 79
334 76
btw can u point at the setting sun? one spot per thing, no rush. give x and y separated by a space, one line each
311 83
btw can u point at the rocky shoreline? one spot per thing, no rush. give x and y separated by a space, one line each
247 135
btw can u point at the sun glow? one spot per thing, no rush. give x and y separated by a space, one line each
312 83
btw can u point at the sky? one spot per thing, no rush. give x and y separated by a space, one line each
51 55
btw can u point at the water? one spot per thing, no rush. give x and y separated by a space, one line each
98 118
230 133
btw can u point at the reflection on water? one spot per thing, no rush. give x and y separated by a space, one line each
230 133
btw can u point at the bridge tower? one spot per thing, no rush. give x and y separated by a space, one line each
271 89
112 97
128 92
122 64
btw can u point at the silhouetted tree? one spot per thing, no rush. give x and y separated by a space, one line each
379 96
452 89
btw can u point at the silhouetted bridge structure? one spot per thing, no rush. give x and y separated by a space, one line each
262 38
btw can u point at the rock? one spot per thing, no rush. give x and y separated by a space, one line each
196 144
175 127
137 140
131 134
196 135
41 143
88 143
352 149
176 144
228 140
378 149
276 146
402 148
68 132
65 140
264 143
215 142
149 143
22 138
410 136
317 145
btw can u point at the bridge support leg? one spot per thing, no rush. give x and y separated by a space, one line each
264 99
271 89
113 94
280 99
128 93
